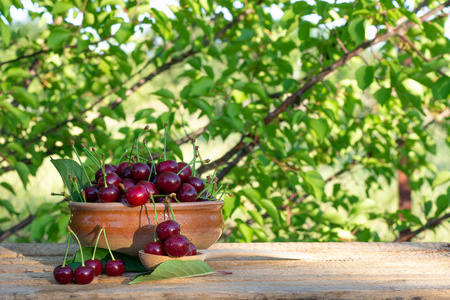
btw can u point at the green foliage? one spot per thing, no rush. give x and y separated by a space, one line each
309 114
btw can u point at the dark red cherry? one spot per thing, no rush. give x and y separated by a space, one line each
96 265
166 229
186 193
184 173
108 194
126 172
176 245
83 274
151 187
127 183
122 198
167 166
168 182
111 179
63 275
197 183
156 248
91 193
140 171
115 267
164 199
137 195
192 250
108 169
123 165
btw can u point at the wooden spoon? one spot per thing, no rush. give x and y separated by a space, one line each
151 261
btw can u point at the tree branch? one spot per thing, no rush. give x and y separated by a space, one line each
430 224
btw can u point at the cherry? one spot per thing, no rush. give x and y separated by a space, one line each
186 193
137 195
127 183
156 248
96 265
176 245
111 179
91 193
166 229
197 183
206 197
83 275
126 172
123 165
164 199
115 267
168 182
140 171
184 173
108 194
108 169
166 166
151 187
63 275
192 250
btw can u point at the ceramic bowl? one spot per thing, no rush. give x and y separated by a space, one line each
129 228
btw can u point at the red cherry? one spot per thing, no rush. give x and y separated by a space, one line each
166 229
83 275
108 169
108 194
123 165
115 267
111 179
184 173
96 265
140 171
176 245
197 183
168 182
167 166
192 250
91 193
137 195
63 275
151 187
186 193
156 248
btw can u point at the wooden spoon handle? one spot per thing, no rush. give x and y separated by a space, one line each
239 253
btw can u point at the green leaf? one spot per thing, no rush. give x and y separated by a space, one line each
24 97
8 187
39 225
132 264
61 7
271 210
201 87
252 195
383 95
143 113
334 216
6 204
165 93
441 178
175 269
411 16
18 114
18 73
320 126
23 171
125 31
66 167
364 76
441 88
246 34
315 183
58 36
247 231
357 30
6 33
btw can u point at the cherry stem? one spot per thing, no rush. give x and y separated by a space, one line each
171 211
82 165
189 164
165 141
79 245
74 183
153 162
120 159
107 244
67 249
103 168
156 217
195 158
91 157
96 243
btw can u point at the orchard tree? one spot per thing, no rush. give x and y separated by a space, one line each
321 104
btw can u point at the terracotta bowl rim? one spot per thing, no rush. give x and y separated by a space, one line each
120 206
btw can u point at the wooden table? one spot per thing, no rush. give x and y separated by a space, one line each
335 271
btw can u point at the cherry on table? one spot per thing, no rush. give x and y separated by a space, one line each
140 171
108 194
166 229
63 275
96 265
83 274
137 195
156 248
168 182
197 183
115 267
186 193
176 245
167 166
192 250
184 173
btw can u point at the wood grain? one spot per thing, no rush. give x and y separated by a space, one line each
334 271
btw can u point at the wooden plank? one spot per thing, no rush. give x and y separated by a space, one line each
335 271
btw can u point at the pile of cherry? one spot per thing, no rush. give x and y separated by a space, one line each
133 183
169 241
